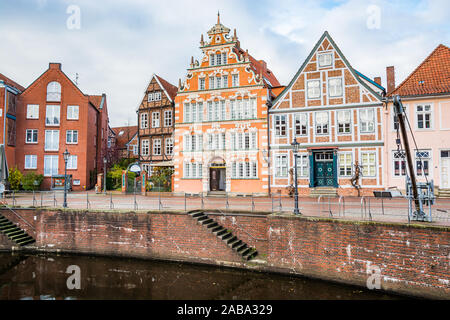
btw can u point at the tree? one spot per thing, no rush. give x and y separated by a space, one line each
161 178
15 178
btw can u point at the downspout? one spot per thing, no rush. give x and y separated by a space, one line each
269 104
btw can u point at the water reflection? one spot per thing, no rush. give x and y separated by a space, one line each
44 277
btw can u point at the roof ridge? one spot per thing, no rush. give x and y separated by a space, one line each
418 68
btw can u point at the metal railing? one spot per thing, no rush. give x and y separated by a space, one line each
363 208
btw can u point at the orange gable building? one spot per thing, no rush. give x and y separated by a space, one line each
221 132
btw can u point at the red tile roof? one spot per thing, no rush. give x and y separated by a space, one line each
126 136
170 88
95 100
11 83
432 76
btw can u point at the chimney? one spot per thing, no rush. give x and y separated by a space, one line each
53 65
377 80
390 79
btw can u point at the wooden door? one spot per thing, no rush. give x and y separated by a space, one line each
214 179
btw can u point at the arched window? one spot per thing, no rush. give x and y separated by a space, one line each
54 91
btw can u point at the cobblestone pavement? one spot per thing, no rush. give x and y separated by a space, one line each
367 208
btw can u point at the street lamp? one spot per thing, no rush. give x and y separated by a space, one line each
104 174
66 155
295 145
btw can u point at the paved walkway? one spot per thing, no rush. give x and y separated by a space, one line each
389 210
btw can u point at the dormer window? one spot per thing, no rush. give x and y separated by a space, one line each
154 96
325 59
54 92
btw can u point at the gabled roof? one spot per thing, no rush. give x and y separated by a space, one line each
124 135
11 83
432 76
305 63
95 100
170 89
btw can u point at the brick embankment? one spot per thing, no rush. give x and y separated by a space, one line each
412 259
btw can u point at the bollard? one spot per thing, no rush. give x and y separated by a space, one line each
227 205
87 200
55 203
271 198
203 203
111 204
253 203
363 207
185 207
134 191
382 206
14 198
341 205
34 199
281 206
330 213
159 200
370 213
42 198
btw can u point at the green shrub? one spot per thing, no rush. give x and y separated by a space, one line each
15 178
32 181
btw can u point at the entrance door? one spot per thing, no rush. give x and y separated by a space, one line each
323 169
214 179
445 169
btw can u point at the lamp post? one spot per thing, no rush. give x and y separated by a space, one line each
295 146
104 174
66 155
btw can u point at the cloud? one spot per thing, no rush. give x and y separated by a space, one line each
122 43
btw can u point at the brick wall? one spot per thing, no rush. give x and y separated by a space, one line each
413 259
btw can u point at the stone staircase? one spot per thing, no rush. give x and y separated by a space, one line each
14 233
444 194
323 191
233 242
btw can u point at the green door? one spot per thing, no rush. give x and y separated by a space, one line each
323 170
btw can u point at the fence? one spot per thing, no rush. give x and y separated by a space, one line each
364 208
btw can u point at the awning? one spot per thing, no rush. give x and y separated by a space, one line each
162 164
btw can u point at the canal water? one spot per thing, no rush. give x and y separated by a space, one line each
43 276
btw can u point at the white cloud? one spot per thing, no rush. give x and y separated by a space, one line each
122 43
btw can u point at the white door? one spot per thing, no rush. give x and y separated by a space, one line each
445 169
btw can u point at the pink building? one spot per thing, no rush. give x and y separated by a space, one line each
425 94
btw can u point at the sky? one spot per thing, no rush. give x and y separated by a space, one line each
116 45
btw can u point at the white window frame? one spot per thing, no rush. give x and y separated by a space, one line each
396 157
235 80
281 167
150 97
30 158
33 111
54 164
322 62
423 113
311 90
303 165
72 137
54 133
335 91
54 91
322 126
301 124
349 122
279 126
169 146
53 111
145 147
32 132
157 147
168 120
73 112
144 120
348 170
366 122
155 120
157 96
367 166
201 83
422 160
72 162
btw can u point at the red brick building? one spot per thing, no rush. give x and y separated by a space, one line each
8 98
54 115
126 142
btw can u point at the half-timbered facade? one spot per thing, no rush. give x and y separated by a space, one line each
221 133
335 113
156 123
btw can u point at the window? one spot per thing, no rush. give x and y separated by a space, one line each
30 162
395 118
345 164
54 92
325 59
367 120
344 119
155 119
72 112
399 159
31 136
150 97
72 136
193 112
50 166
335 87
145 147
217 59
301 124
302 165
244 170
52 115
157 96
218 82
33 111
168 118
192 170
146 167
193 143
225 82
280 125
321 122
235 80
423 114
211 82
51 140
157 147
201 84
253 107
135 149
212 59
144 120
368 164
313 88
72 162
169 146
281 166
423 162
